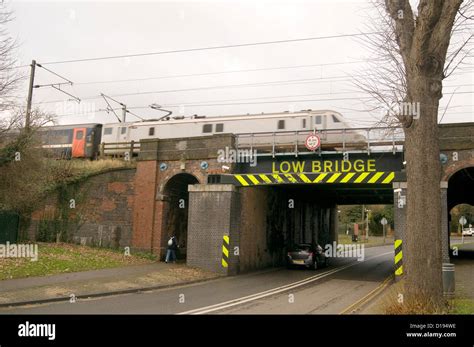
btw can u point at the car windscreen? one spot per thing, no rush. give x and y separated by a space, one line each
299 248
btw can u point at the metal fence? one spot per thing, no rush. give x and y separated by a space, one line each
119 149
8 227
387 139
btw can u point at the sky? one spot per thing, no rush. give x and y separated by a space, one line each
312 74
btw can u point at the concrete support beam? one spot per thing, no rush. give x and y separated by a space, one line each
399 215
333 225
399 209
444 222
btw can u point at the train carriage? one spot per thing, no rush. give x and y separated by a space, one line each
71 141
266 131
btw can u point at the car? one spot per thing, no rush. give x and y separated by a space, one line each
468 232
307 255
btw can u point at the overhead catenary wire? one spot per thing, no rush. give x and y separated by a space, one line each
261 43
255 84
255 103
216 73
187 103
56 86
54 73
209 102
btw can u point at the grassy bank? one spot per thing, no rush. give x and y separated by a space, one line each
56 258
462 306
373 240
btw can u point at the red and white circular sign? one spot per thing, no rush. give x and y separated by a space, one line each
312 142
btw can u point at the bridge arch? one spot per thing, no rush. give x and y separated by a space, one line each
175 211
461 186
459 191
455 167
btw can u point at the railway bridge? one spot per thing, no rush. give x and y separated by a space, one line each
235 203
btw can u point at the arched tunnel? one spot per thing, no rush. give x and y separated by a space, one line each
176 209
460 191
461 188
265 220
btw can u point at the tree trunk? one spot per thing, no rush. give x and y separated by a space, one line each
422 244
423 40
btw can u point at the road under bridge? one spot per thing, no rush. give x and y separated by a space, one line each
256 208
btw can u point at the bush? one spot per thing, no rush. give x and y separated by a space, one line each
48 230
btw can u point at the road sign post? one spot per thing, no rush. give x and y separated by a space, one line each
383 221
463 222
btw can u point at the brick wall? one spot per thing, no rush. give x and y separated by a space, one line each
181 156
259 222
102 215
212 214
143 210
254 253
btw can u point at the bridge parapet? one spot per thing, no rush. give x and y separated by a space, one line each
456 136
192 148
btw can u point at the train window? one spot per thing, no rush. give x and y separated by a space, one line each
219 127
335 119
61 136
318 120
79 135
281 124
207 128
151 131
123 130
304 123
108 131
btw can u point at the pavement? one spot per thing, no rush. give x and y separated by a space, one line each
464 277
276 290
86 284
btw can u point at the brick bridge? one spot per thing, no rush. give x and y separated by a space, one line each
180 188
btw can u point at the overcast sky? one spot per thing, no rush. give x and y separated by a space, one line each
57 31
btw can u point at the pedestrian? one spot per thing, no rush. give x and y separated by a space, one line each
171 250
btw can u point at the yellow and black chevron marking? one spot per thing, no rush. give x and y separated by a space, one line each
225 251
378 177
398 258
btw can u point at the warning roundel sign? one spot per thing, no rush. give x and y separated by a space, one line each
312 142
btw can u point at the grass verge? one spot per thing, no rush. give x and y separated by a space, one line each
57 258
373 240
461 306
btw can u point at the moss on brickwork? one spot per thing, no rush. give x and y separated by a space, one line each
67 218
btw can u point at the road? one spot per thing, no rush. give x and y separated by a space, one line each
274 291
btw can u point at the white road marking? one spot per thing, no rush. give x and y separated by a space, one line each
273 291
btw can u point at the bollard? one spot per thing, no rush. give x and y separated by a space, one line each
448 280
398 258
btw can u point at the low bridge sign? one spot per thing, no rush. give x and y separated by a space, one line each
357 168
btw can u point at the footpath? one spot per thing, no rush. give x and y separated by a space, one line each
96 283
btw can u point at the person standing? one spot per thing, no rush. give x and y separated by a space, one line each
171 250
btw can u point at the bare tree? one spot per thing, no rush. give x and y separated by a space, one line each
414 51
10 75
14 140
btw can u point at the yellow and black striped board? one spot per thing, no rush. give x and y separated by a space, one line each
225 251
378 177
398 258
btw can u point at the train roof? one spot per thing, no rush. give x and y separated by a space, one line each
69 126
204 119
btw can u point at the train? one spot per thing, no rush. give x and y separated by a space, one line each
85 140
